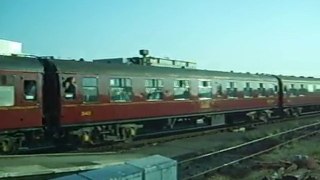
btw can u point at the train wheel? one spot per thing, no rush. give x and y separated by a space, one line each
129 131
9 146
86 138
127 134
263 116
96 136
288 112
252 116
296 112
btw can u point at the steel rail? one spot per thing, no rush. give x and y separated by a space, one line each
212 130
213 169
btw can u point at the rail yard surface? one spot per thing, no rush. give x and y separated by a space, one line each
26 165
299 160
201 165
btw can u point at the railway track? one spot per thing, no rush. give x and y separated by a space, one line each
149 140
202 165
161 137
138 141
244 137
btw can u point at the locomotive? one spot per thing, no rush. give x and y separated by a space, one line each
44 100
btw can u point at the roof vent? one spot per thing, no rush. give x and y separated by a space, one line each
146 60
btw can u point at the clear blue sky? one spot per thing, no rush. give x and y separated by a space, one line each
270 36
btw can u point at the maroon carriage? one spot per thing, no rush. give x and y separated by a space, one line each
20 100
103 100
301 95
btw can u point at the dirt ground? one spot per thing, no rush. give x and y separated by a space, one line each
299 160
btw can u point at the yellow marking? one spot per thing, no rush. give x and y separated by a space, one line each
125 103
18 107
86 113
204 104
70 105
270 101
86 138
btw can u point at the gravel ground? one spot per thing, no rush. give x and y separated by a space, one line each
273 167
215 142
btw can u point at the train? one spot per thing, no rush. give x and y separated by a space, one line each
45 101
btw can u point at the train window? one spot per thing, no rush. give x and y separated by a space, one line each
219 92
154 89
232 90
181 90
261 90
30 90
70 88
317 88
271 90
247 91
310 88
121 90
6 80
285 89
302 90
292 90
205 90
7 90
90 89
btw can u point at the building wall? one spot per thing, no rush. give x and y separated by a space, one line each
10 47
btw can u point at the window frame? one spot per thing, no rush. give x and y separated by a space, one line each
10 86
64 94
208 86
232 90
35 93
155 85
247 88
84 86
262 89
179 86
125 87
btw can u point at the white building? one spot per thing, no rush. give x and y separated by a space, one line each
10 47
